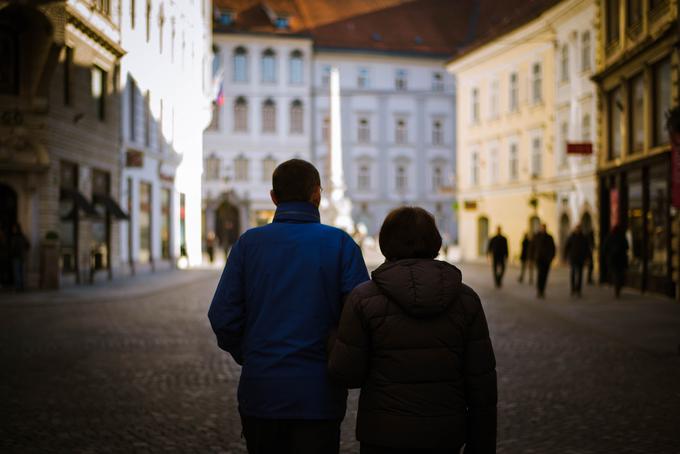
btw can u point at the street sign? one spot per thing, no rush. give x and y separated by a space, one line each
584 148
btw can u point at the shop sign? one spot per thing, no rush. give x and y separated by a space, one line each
613 207
584 148
470 204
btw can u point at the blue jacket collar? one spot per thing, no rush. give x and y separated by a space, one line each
301 212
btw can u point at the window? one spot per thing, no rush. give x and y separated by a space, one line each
662 99
173 33
296 117
564 63
612 24
363 80
144 220
364 131
268 167
281 22
148 20
401 131
564 131
326 75
241 114
585 51
513 162
241 168
586 129
474 168
536 157
634 12
269 66
132 109
99 92
614 107
147 118
240 65
537 83
400 80
474 105
215 118
132 13
364 177
166 199
437 81
68 76
437 178
226 18
636 109
437 133
514 93
493 98
493 166
161 23
401 178
296 68
269 116
326 129
212 168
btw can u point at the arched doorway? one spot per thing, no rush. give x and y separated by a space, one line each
482 235
586 223
565 227
227 224
8 217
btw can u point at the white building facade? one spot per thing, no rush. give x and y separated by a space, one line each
398 133
165 81
261 117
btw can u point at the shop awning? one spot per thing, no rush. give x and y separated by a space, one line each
79 203
111 205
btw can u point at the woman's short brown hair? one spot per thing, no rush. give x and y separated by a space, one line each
409 233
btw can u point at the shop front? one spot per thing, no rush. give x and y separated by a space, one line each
637 196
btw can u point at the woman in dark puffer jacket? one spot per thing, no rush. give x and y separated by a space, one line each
415 340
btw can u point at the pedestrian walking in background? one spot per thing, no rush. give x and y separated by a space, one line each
531 258
524 256
18 247
210 247
544 255
498 250
577 250
423 359
591 255
616 253
279 297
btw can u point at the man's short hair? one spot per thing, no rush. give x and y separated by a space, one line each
409 233
673 120
295 181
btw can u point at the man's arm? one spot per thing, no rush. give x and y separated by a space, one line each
227 310
354 270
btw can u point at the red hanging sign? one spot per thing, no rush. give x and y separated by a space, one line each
585 148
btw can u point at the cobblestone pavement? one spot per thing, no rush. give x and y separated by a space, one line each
140 372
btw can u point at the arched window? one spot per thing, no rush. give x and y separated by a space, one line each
401 131
296 67
437 177
401 177
241 114
268 167
269 116
212 168
564 63
482 235
364 177
585 128
296 117
241 165
364 131
240 64
269 66
437 133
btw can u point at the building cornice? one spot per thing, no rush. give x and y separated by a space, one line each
82 24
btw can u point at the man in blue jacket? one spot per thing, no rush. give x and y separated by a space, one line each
280 295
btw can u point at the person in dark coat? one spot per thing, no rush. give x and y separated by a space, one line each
577 251
615 252
18 247
524 256
531 259
544 255
498 250
415 340
591 259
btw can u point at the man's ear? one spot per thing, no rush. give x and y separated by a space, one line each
275 199
316 196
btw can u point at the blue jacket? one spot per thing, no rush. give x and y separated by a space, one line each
280 294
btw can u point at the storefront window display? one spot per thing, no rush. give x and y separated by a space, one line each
657 222
144 222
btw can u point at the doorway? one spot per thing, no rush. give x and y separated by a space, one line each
482 235
227 224
8 217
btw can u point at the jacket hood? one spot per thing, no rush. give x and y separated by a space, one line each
421 287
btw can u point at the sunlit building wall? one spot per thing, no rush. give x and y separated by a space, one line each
261 118
638 76
511 167
398 132
165 80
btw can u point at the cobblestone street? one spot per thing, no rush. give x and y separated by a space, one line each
119 369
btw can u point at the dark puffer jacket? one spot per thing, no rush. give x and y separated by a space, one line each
415 340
